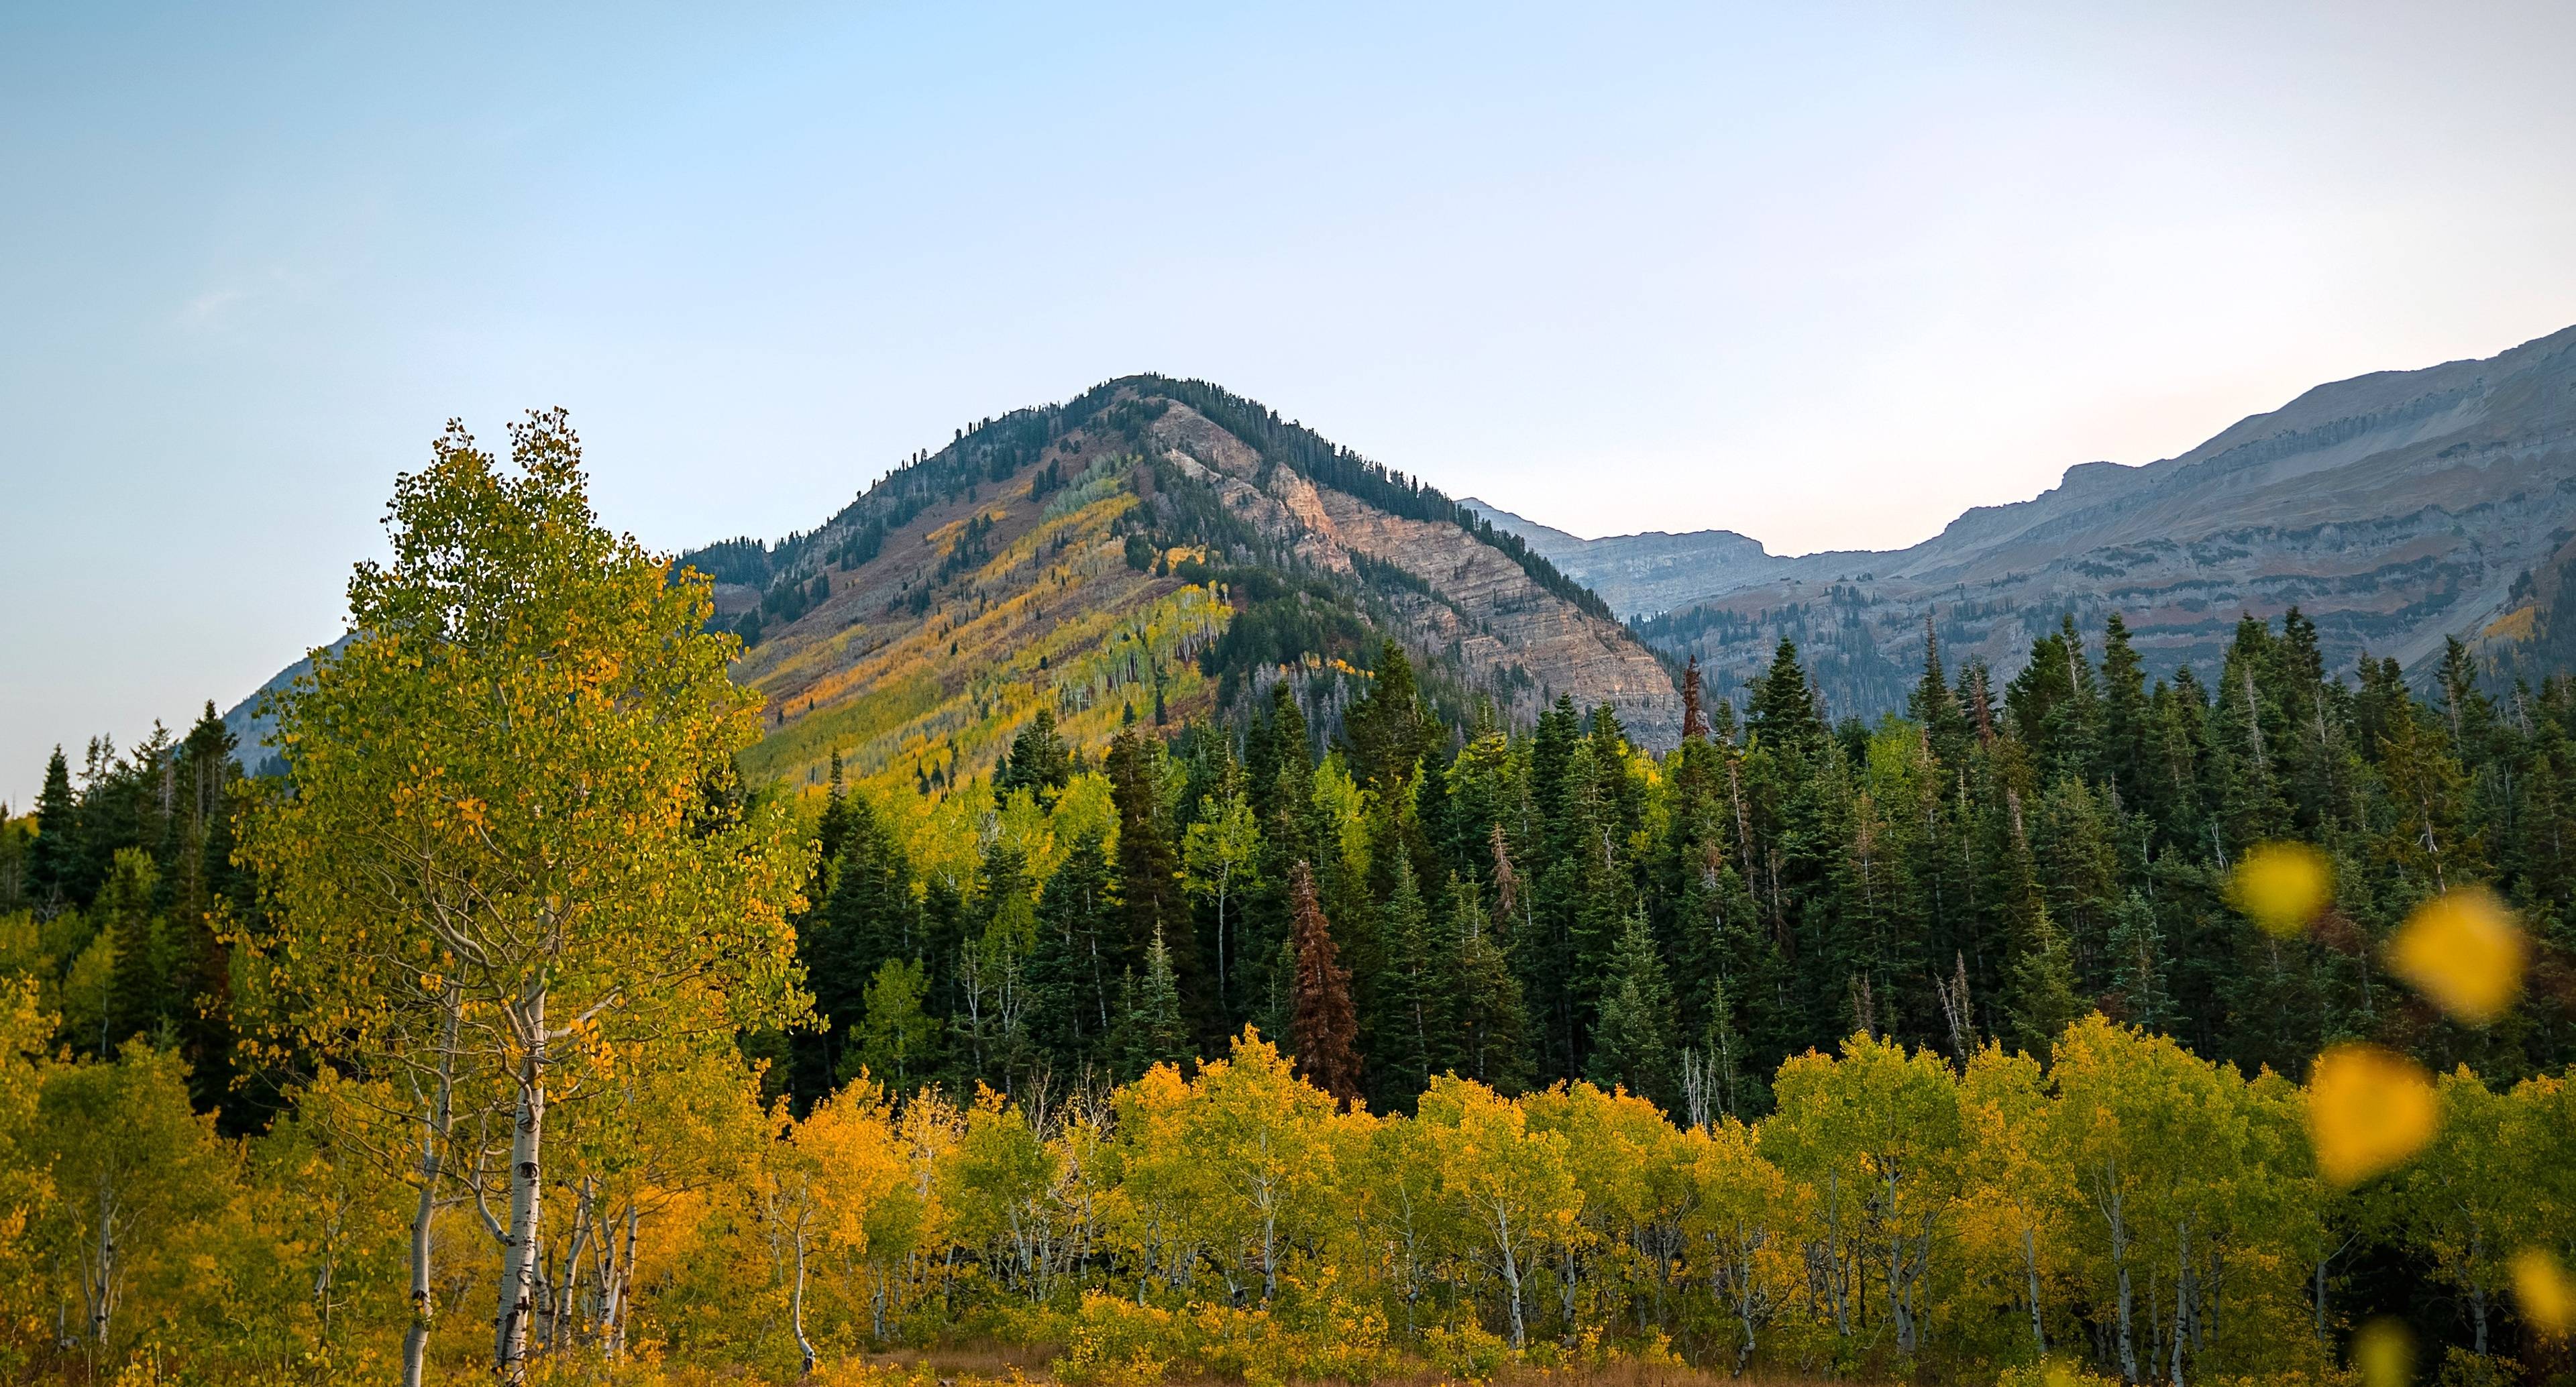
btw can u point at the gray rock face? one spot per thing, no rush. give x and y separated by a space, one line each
1640 575
2394 509
1479 604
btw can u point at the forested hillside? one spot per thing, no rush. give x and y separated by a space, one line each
2080 1022
1154 550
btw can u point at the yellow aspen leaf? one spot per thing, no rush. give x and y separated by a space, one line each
2369 1109
2463 951
2283 886
2385 1353
2547 1296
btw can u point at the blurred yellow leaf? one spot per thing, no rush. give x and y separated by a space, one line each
2385 1353
2283 886
2463 951
2368 1109
2548 1300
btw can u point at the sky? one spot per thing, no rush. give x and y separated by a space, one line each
1826 275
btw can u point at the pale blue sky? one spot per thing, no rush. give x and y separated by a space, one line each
1825 275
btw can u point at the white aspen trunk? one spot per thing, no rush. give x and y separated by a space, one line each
796 1310
519 1246
2128 1298
1511 1274
101 1288
560 1305
2030 1272
623 1295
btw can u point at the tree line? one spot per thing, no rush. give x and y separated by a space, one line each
1940 1046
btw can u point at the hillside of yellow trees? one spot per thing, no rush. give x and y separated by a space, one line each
537 1020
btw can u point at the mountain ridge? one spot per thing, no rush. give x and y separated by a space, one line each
2396 508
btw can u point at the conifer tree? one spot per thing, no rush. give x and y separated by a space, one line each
2044 1001
1410 1041
1150 889
1322 1029
896 1040
1386 729
53 860
1633 1042
1074 999
1154 1030
1484 1016
2140 972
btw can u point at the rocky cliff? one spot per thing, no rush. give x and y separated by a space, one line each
2394 509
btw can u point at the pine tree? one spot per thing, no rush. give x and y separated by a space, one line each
1323 1029
1154 1030
1484 1014
53 860
1149 870
1633 1042
1074 1003
2139 970
1386 729
2044 1002
1408 1042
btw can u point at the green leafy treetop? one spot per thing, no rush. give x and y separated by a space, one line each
510 861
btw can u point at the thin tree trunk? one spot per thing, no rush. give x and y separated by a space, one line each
2030 1271
796 1311
433 1154
519 1248
1511 1275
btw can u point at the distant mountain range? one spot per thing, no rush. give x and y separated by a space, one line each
2394 509
1160 548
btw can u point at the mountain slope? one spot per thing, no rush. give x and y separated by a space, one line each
2394 509
1645 573
1151 550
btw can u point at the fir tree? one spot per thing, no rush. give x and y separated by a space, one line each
2139 971
1149 869
1074 999
1633 1043
1154 1031
53 860
1484 1014
2044 1001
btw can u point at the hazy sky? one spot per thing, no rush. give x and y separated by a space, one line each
1823 275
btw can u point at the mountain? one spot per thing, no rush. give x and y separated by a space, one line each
1641 574
1151 550
2394 509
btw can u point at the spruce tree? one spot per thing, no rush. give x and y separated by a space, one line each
53 860
2140 975
1484 1015
1409 1041
1074 1002
138 997
1149 870
1633 1042
1322 1029
2044 1001
1154 1030
1385 728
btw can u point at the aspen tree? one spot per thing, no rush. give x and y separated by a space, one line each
508 844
